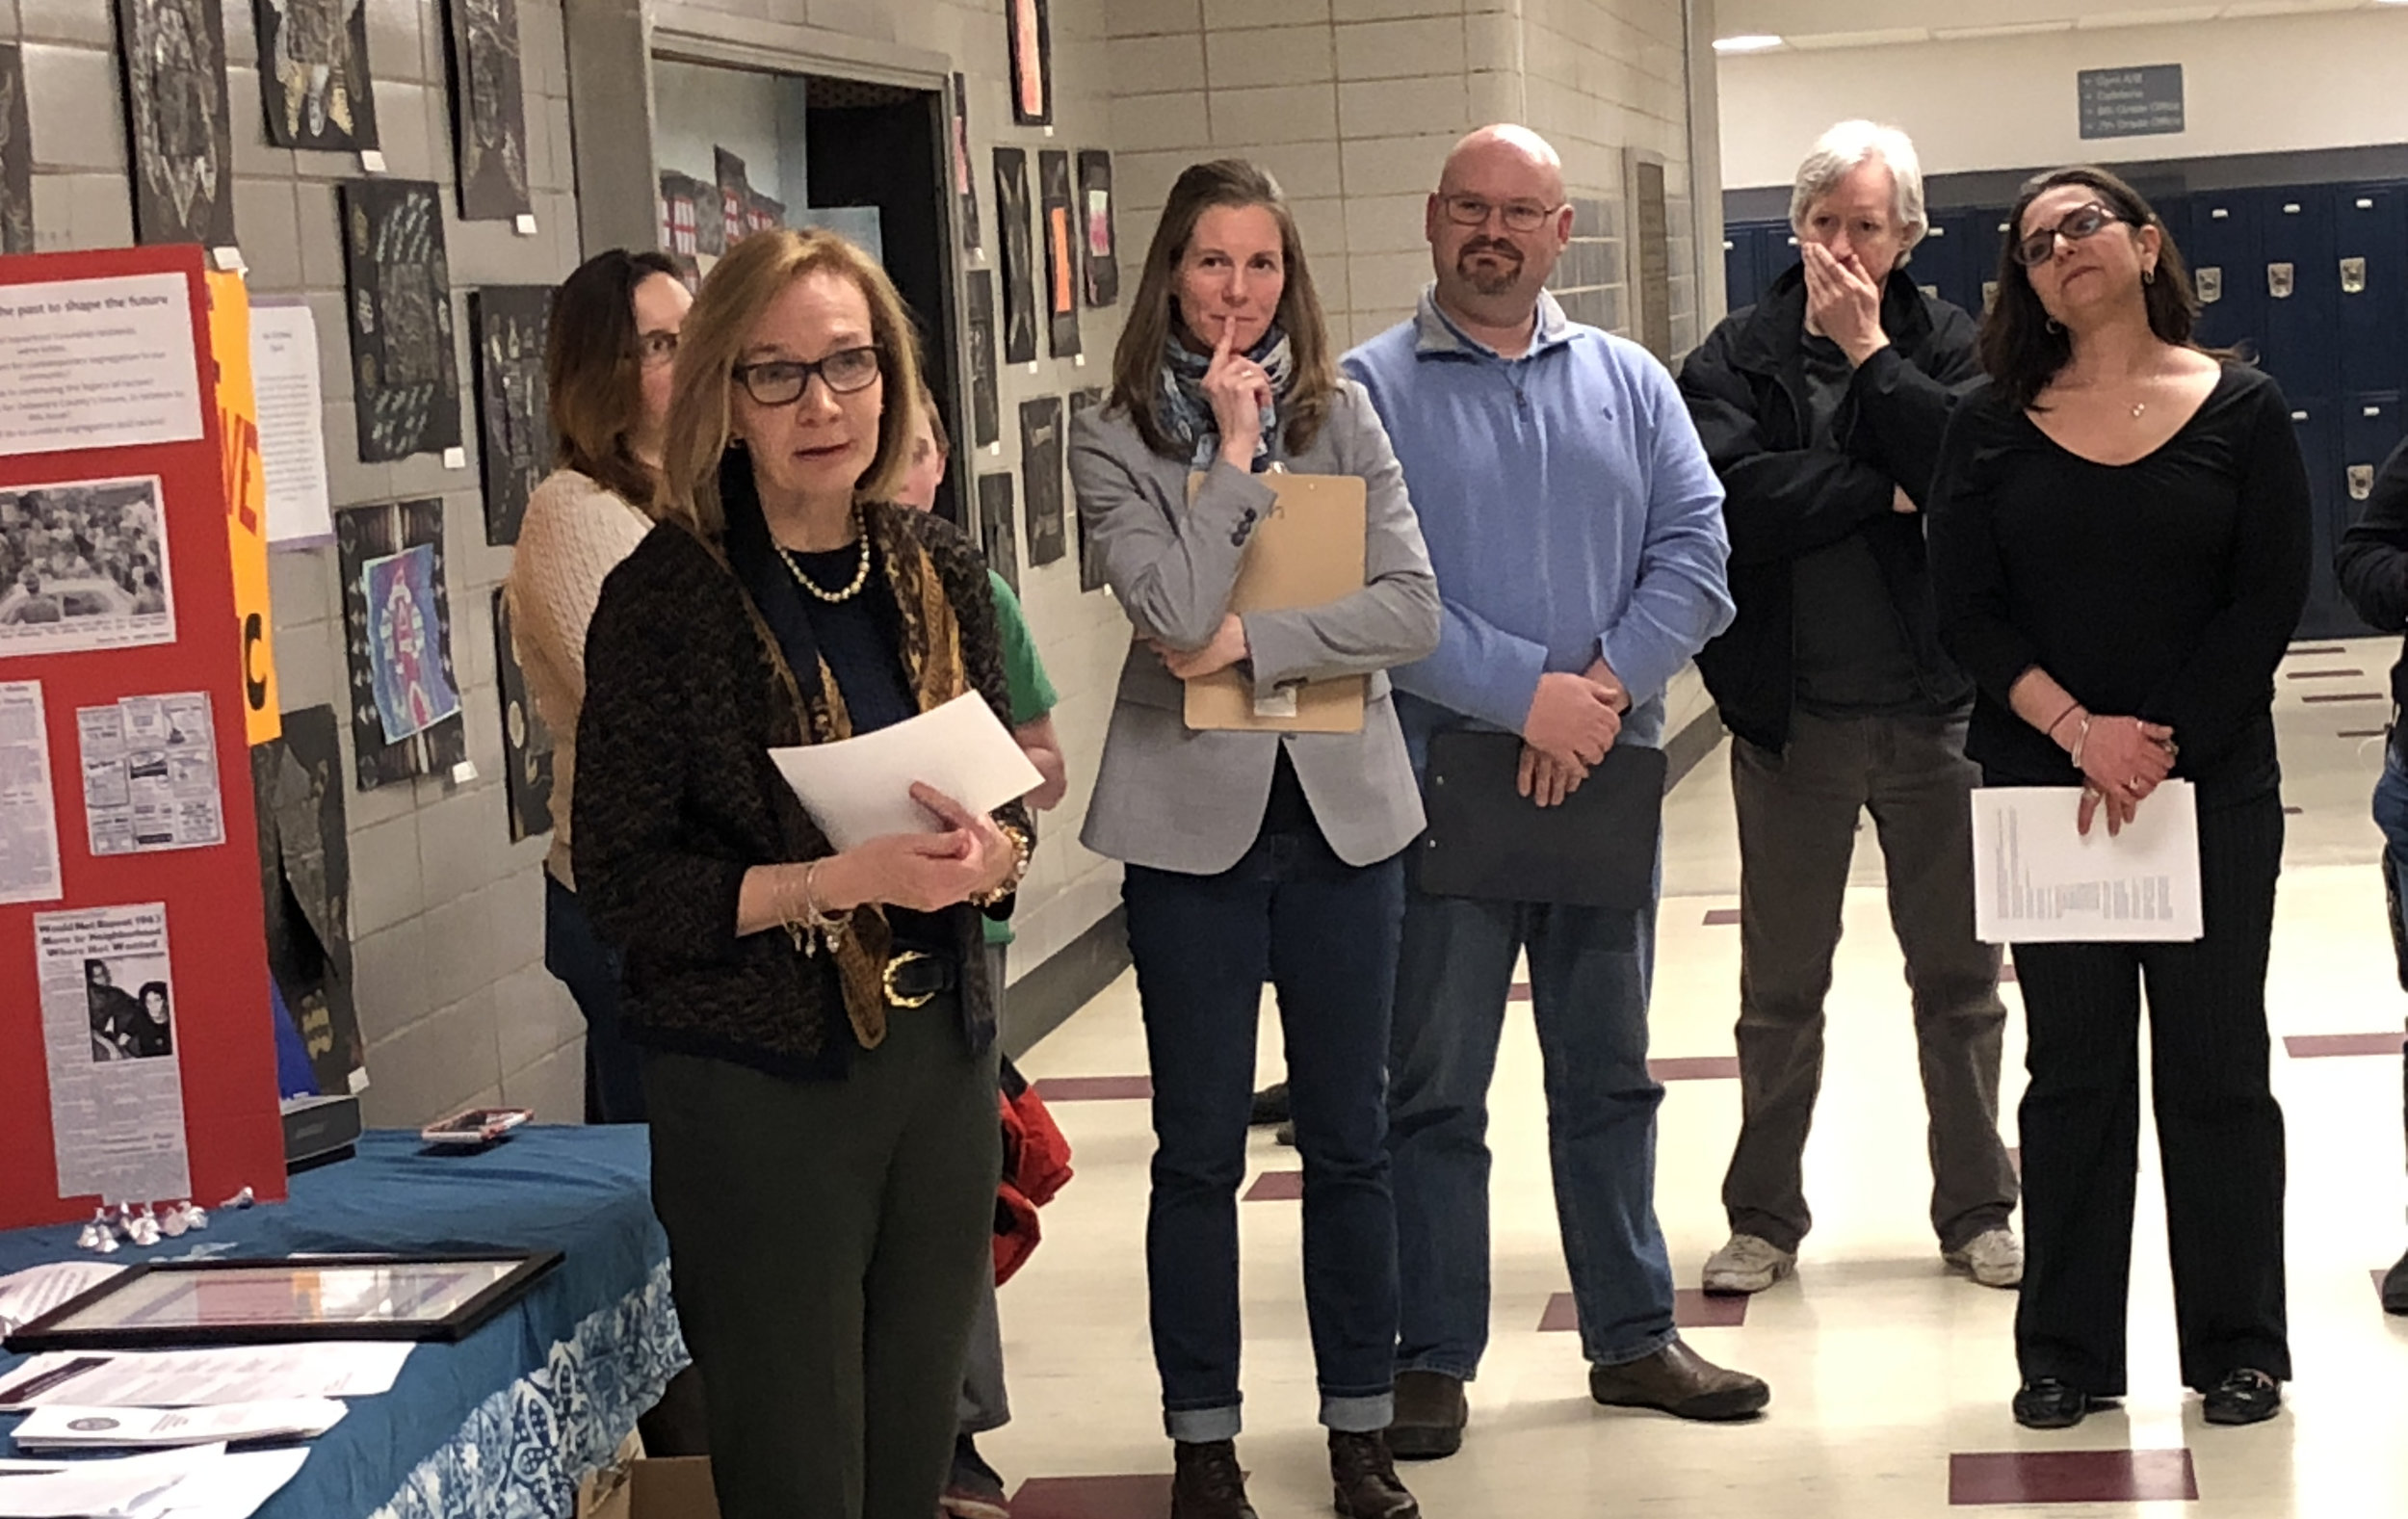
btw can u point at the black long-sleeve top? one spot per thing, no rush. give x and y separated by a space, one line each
2165 590
2372 559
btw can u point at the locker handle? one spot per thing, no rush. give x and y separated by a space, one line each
2365 202
2217 215
2371 411
2291 208
2299 416
1937 231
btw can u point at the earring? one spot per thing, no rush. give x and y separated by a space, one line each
2054 326
2149 276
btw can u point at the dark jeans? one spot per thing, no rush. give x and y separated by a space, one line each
1797 813
2391 815
1329 931
590 969
2219 1129
986 1404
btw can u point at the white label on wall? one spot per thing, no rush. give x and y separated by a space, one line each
371 161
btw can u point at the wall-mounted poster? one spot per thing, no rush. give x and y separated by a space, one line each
682 200
1012 216
1103 242
985 424
306 876
735 197
1032 62
84 566
965 182
313 73
489 110
995 531
16 156
526 743
1090 564
404 380
1041 456
1061 253
399 649
177 122
761 213
508 325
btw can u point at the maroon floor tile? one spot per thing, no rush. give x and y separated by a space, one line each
2320 674
1561 1317
1722 917
2006 974
2347 696
2320 649
2069 1476
1145 1497
1692 1309
2315 1046
1521 992
1695 1068
2361 733
1275 1187
2293 812
1094 1089
2015 1158
2378 1273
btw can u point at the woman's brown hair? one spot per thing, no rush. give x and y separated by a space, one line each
740 288
1154 319
593 370
2022 347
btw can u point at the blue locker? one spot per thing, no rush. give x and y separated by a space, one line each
1741 265
2370 246
1996 229
2326 615
2227 269
2302 286
1938 265
2372 424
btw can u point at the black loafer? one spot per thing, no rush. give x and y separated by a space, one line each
2244 1397
1431 1414
2047 1403
2396 1288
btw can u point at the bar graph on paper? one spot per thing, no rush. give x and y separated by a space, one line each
2037 879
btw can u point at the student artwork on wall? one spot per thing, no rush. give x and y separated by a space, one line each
1103 243
735 187
526 743
305 876
1061 254
176 120
681 225
398 646
985 421
1011 215
995 530
16 156
1042 459
1032 62
965 181
489 110
313 73
508 325
1090 565
404 380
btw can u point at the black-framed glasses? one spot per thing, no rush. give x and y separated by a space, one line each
781 381
653 349
1520 216
2082 222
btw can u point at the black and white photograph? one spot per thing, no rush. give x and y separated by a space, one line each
1041 456
176 120
84 566
508 327
526 743
1019 272
987 423
1090 564
363 535
16 156
405 380
1102 260
996 535
131 1008
1061 253
965 178
489 109
313 74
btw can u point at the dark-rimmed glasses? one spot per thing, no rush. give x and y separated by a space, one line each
1520 216
2082 222
781 381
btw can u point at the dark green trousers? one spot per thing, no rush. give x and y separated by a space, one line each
826 1242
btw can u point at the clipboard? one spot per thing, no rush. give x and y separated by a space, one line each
1307 552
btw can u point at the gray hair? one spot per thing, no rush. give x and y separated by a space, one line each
1838 152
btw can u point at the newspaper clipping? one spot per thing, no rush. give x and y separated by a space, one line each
150 774
108 1020
29 822
84 566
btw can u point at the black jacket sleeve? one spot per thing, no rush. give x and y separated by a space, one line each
2372 559
1902 407
1968 574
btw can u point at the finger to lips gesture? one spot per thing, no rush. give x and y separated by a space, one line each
1239 391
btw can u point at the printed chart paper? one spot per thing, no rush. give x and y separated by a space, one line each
2036 881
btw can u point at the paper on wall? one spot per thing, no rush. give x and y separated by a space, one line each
98 364
2037 880
150 774
28 818
859 789
292 423
108 1024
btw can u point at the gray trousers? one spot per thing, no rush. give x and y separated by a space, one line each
1797 815
983 1403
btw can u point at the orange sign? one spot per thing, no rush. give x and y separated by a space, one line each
245 501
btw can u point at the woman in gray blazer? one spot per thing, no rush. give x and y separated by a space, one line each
1246 850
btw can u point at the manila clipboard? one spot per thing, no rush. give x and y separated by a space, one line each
1308 552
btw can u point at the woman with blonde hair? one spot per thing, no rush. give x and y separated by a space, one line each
818 1024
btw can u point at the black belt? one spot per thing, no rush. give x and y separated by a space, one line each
915 977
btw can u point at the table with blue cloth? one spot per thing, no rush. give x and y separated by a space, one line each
504 1424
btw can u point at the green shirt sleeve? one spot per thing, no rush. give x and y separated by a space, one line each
1031 694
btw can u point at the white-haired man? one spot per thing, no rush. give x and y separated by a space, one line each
1822 407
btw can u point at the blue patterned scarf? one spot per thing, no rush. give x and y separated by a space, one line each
1187 412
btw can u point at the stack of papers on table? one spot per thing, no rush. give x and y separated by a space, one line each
200 1379
69 1426
26 1296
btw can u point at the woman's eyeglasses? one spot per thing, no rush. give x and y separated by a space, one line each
781 381
1520 216
2079 224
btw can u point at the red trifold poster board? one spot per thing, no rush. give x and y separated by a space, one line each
137 1047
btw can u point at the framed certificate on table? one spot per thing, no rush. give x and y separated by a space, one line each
168 1304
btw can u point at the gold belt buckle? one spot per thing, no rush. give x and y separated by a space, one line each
886 978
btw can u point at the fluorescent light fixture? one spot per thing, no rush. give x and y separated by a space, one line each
1759 43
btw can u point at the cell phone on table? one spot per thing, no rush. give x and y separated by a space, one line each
476 1126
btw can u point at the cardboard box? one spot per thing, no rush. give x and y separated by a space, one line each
675 1487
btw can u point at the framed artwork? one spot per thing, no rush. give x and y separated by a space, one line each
1042 459
1103 244
985 423
177 126
1090 566
965 183
16 156
489 110
995 530
1061 254
526 743
313 73
404 380
508 327
1032 62
1011 215
397 648
305 876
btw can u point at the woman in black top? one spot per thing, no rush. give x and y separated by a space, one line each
820 1067
2119 544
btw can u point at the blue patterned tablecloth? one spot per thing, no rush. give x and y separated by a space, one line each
506 1422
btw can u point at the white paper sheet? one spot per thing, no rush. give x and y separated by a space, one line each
2037 880
108 1026
198 1378
26 1296
98 364
133 1487
860 789
292 423
234 1487
67 1426
150 774
29 816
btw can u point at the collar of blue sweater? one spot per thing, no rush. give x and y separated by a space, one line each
1434 332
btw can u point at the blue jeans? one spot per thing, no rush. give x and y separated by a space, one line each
2391 815
1589 974
590 969
1328 931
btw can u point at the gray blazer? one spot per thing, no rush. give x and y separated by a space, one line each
1193 802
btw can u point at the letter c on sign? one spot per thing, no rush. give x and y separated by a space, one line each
254 686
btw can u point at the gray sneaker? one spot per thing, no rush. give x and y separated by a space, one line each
1994 1258
1747 1264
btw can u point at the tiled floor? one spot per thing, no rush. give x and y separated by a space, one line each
1890 1376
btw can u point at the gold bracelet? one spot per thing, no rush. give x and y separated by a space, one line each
1019 871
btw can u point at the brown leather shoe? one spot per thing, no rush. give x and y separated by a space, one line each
1679 1382
1365 1479
1431 1414
1207 1482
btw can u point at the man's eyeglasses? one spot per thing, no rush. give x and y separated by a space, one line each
2079 224
656 349
1520 216
781 381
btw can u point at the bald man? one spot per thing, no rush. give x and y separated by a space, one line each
1577 530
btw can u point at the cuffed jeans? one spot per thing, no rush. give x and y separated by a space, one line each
1328 931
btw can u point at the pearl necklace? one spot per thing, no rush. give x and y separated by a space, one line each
860 574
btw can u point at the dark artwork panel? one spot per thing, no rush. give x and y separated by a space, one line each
996 534
1041 456
405 380
761 213
526 743
373 531
987 424
313 73
1011 215
508 325
1090 564
305 879
489 110
16 156
965 181
1102 260
177 124
1061 253
735 197
682 198
1031 61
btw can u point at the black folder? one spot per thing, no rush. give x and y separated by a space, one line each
1597 849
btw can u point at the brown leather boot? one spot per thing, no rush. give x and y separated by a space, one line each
1365 1479
1206 1482
1679 1382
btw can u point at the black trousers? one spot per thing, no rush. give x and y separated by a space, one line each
2219 1130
